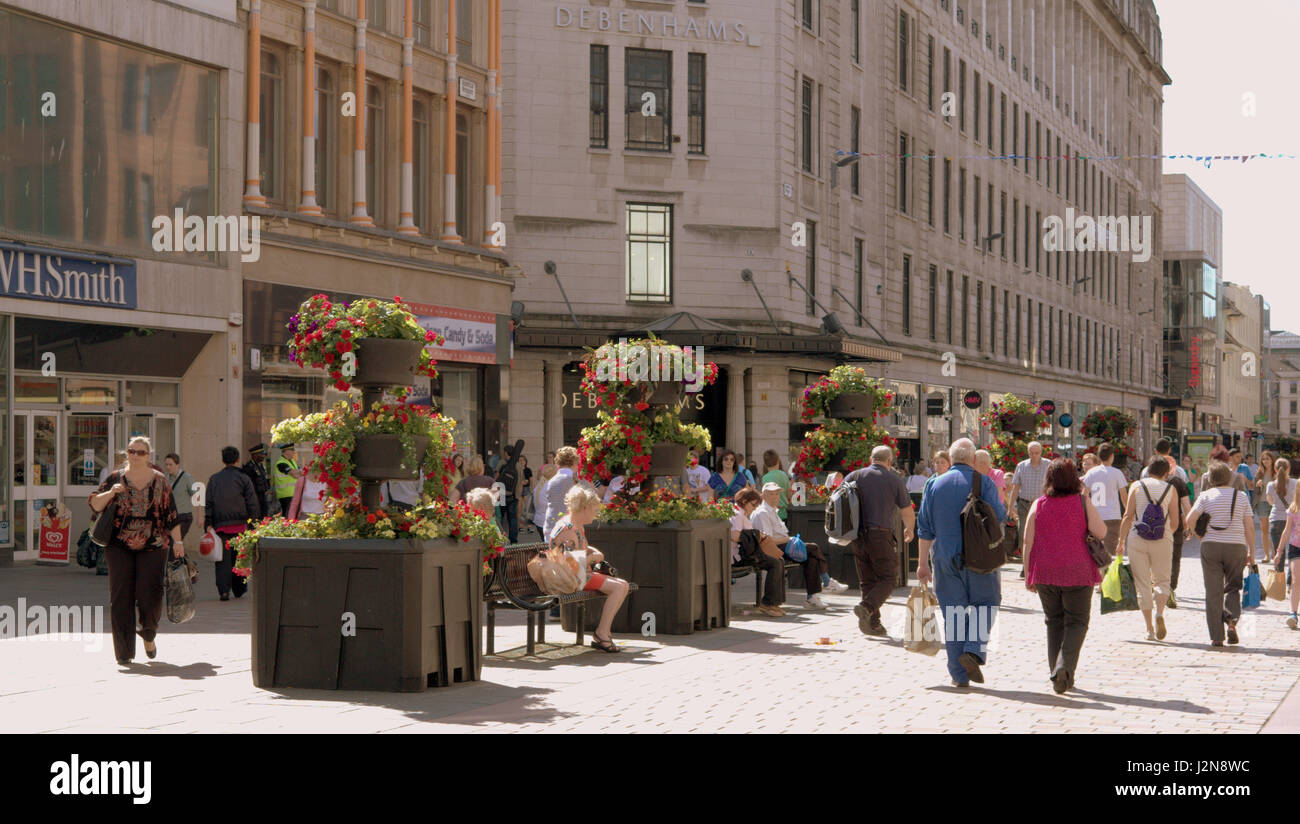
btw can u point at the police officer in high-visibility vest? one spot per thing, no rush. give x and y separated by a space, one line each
284 476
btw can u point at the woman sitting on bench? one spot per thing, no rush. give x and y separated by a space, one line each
569 534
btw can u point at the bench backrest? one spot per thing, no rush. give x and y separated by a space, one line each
512 566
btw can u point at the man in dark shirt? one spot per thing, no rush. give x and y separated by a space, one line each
881 496
256 471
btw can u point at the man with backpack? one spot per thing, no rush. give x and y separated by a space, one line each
969 598
881 495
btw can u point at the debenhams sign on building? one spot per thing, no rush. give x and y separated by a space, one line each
653 23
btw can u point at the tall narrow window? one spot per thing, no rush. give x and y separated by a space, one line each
961 204
377 16
1006 323
464 31
599 137
462 176
1049 159
1019 349
806 124
929 187
929 73
903 160
975 197
1058 164
965 308
979 315
907 295
648 73
1026 169
859 252
977 107
947 196
903 46
423 23
949 295
1038 242
988 109
988 232
375 137
855 146
961 95
420 170
810 266
855 20
934 301
1041 334
1015 134
1015 230
993 319
1002 223
1029 234
649 252
1002 125
808 17
326 133
947 78
270 127
695 84
1038 150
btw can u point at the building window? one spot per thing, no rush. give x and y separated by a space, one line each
855 20
977 107
1018 347
810 266
947 196
1002 223
809 16
902 172
423 23
375 143
929 187
859 250
599 137
377 15
907 295
975 197
993 319
1038 150
1049 162
462 176
326 128
271 126
934 301
947 78
649 252
464 31
695 80
979 316
1006 323
989 114
949 295
806 124
965 309
855 146
903 46
420 169
988 232
649 72
961 204
1015 134
961 95
1038 242
929 73
1015 230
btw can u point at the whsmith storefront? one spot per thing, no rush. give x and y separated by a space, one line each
101 337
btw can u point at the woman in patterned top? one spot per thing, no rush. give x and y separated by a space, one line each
569 534
144 526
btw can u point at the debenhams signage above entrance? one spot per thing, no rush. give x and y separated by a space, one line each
652 23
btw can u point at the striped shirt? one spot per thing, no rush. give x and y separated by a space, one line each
1030 479
1218 502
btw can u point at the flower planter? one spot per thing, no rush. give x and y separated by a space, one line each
835 461
387 362
417 608
682 569
665 393
851 406
379 458
1021 424
668 458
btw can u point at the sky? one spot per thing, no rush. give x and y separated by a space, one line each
1215 52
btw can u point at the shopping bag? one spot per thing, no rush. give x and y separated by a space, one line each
555 572
921 632
1275 584
1110 586
796 550
1127 599
210 546
1251 590
179 591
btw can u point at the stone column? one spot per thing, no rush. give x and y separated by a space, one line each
554 405
359 214
449 234
252 178
406 217
308 206
736 435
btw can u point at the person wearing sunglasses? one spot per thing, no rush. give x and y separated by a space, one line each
145 526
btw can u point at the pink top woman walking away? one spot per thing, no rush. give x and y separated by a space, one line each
1059 556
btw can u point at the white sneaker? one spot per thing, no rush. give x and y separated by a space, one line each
836 586
815 602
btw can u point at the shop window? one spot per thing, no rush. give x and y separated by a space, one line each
456 395
30 389
90 392
649 252
648 72
152 393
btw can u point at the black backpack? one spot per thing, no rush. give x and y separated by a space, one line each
981 532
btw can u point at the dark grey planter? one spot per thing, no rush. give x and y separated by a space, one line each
664 393
682 569
1021 424
809 522
850 406
668 458
417 606
379 458
386 362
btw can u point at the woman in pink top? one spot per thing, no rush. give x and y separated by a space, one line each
1059 567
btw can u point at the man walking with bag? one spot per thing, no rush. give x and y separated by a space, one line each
881 495
969 599
231 503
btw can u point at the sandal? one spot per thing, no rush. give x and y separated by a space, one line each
604 645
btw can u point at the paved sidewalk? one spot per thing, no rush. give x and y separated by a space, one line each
761 674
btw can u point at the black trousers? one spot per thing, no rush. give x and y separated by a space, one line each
1065 610
773 568
285 503
1177 560
813 569
512 519
135 578
227 581
875 554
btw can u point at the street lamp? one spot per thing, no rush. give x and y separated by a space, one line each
849 157
988 241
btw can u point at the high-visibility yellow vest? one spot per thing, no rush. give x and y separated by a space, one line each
284 482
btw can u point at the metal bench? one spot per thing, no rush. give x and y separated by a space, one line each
510 585
744 568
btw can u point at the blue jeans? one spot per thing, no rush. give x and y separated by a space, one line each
970 604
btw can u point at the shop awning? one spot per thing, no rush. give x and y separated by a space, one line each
830 346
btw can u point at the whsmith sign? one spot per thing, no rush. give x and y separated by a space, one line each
37 273
654 23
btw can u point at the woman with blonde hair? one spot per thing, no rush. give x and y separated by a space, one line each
1288 548
474 478
569 534
145 526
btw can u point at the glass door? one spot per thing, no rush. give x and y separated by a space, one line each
36 476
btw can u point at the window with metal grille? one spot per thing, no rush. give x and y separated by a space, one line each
903 160
806 124
855 135
934 300
695 80
649 252
907 295
649 72
599 130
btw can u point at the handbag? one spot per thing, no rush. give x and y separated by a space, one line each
1275 584
87 552
921 632
1096 547
555 572
101 532
796 550
179 589
1252 593
1203 522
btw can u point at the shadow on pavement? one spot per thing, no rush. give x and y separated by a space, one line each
188 672
473 704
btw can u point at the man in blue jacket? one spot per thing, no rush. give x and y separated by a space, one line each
969 600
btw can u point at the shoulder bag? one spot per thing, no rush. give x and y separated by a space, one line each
101 532
1096 547
1203 522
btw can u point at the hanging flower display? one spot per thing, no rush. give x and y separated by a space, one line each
1009 448
845 442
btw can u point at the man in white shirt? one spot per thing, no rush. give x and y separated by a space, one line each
697 478
766 520
1109 490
